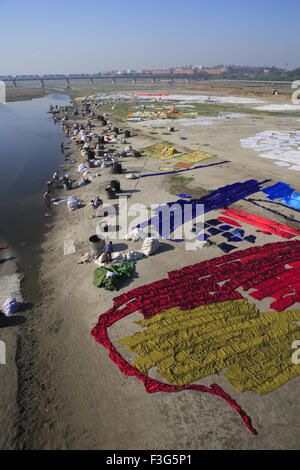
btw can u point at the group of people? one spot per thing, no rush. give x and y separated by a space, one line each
92 146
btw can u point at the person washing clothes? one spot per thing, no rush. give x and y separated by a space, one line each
55 176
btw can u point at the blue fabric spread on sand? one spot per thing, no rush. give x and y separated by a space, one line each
292 219
231 238
172 215
227 235
213 222
213 231
250 238
278 190
235 239
226 247
224 228
239 232
292 201
270 202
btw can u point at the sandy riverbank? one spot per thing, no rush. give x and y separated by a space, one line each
70 394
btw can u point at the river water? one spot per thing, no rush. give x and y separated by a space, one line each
29 155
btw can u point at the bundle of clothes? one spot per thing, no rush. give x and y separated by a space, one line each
111 277
73 203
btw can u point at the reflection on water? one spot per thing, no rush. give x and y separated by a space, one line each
29 154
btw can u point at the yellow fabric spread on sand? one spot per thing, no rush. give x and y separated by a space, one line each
163 152
194 157
156 151
187 345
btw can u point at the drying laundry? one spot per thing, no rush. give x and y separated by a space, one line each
160 151
282 147
183 165
235 239
231 238
164 169
292 201
173 215
250 238
209 120
278 229
210 282
186 346
238 232
263 231
213 231
229 221
279 107
194 157
224 228
172 170
278 190
292 219
213 222
226 247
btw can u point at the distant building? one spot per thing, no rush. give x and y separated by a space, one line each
181 71
215 71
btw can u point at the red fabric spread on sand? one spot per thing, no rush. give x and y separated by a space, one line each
229 221
264 231
259 267
281 230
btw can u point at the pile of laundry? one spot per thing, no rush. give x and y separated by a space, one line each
73 203
149 247
111 277
10 306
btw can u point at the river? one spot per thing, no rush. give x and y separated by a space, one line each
29 154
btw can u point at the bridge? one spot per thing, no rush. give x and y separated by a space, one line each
133 77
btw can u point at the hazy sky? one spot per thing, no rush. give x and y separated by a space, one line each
88 36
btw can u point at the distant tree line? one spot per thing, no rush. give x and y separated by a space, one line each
260 73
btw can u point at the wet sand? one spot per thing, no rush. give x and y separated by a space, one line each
70 394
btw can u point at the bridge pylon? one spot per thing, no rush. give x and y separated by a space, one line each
42 83
68 84
113 80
